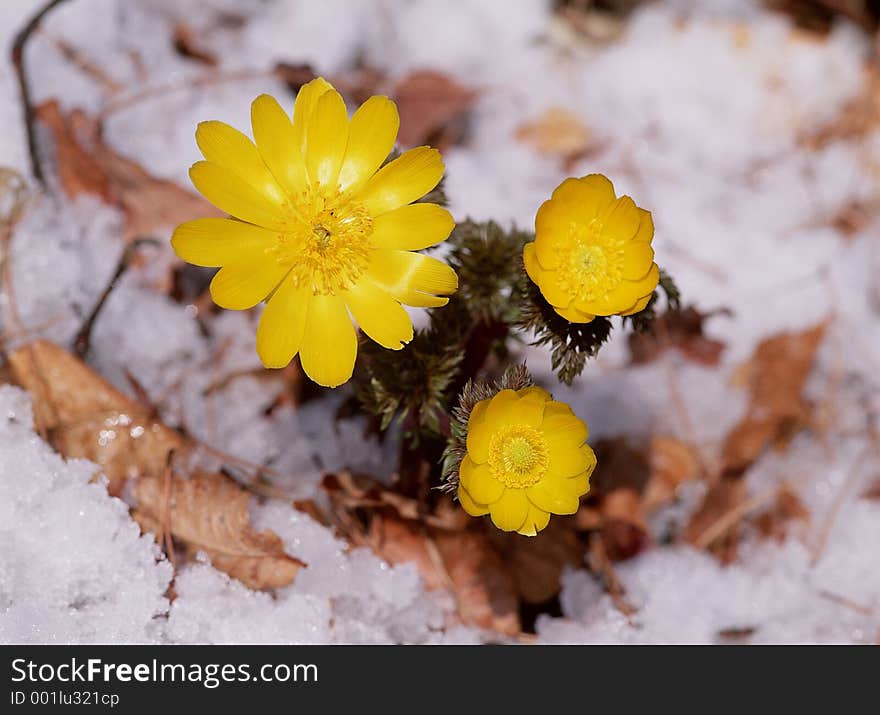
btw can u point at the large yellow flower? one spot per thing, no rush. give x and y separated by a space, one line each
592 252
526 458
319 228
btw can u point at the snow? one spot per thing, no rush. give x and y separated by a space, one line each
74 567
699 110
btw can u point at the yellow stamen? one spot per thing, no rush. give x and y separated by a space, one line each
328 244
518 456
590 263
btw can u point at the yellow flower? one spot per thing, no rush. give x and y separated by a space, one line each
592 252
526 458
319 228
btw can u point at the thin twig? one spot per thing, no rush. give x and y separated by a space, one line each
18 47
83 337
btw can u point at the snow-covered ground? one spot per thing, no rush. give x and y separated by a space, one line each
700 111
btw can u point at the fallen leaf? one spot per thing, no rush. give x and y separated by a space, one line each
776 375
557 132
432 109
186 44
619 465
616 487
672 463
83 416
857 118
294 76
536 563
349 491
872 493
462 561
679 329
787 508
715 524
86 165
624 528
852 218
209 513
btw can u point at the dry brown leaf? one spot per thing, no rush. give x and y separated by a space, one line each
619 465
872 493
716 523
857 118
776 376
432 109
672 464
787 508
536 563
350 491
86 165
186 43
624 528
462 561
82 415
617 485
680 329
209 512
557 132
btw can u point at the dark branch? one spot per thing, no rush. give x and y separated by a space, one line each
18 46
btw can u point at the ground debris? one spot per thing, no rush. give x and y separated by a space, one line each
85 164
209 513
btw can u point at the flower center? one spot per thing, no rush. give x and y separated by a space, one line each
327 246
590 262
518 456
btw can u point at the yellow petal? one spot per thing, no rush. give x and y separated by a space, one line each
409 177
478 413
573 315
235 196
412 278
218 241
534 392
277 144
479 432
469 505
536 520
564 431
557 409
621 218
282 324
329 344
590 456
643 288
530 408
327 138
554 496
510 511
370 140
624 296
579 485
575 202
546 280
239 286
479 482
227 147
640 305
567 462
412 227
589 195
502 410
378 314
637 259
304 107
646 227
